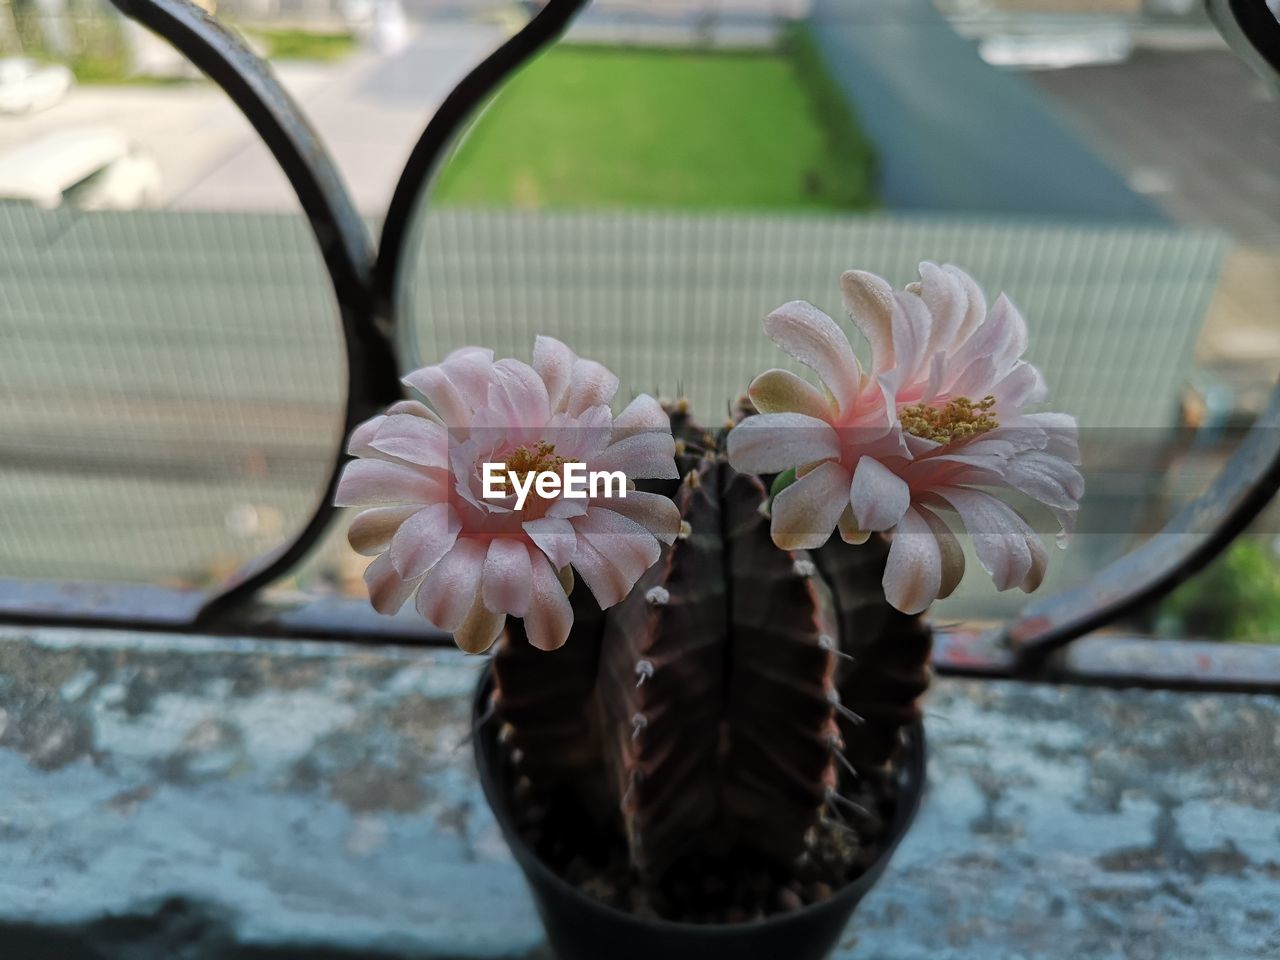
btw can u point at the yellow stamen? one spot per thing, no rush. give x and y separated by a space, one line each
957 419
522 461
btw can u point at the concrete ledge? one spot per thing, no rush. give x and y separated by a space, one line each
188 798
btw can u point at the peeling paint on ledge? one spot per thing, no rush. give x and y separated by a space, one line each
189 798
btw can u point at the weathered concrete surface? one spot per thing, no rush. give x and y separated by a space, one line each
186 799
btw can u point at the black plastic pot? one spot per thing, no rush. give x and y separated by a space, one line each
581 928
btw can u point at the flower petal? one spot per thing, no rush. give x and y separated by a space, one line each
850 532
506 586
449 590
781 391
479 629
976 311
370 532
625 544
590 384
974 381
1049 479
566 509
641 456
555 537
817 341
413 439
879 496
984 347
414 408
1039 564
371 483
607 583
1015 341
999 535
517 395
912 325
773 442
1060 430
949 549
869 300
358 442
423 539
805 513
550 616
656 513
554 363
913 571
1022 385
644 414
457 385
387 589
947 300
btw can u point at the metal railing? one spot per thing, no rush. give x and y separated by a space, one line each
366 280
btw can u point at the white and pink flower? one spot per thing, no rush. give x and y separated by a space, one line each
470 560
936 425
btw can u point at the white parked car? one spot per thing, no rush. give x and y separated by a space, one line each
27 86
92 167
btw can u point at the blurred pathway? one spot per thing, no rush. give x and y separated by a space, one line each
369 110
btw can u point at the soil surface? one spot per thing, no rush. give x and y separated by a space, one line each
706 888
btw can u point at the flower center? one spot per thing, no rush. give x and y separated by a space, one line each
956 419
527 463
522 461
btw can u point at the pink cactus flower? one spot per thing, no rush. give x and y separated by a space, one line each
936 426
471 558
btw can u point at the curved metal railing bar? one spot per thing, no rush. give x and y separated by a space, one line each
1206 526
344 243
365 305
1199 532
424 161
1252 29
365 285
344 240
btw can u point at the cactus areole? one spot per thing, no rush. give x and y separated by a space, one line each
709 642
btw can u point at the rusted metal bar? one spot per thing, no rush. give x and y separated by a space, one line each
366 306
144 608
1208 525
1100 660
1198 533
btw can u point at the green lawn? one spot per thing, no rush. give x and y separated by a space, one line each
603 126
304 44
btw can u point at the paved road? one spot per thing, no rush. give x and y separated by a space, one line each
1195 130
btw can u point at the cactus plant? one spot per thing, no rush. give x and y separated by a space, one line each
723 710
723 696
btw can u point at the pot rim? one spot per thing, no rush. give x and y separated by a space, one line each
488 754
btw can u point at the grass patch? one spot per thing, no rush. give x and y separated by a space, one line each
98 52
1236 597
305 44
606 126
110 69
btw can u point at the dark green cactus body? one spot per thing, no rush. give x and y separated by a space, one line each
703 714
